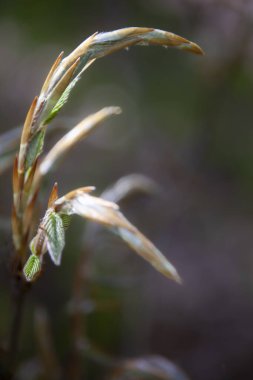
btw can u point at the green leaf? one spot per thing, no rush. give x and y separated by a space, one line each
32 267
63 99
66 219
54 228
35 148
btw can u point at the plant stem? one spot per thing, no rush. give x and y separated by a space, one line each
19 293
80 287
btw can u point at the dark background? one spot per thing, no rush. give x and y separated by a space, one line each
187 124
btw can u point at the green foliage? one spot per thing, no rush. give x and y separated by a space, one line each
54 228
35 148
32 267
63 99
66 219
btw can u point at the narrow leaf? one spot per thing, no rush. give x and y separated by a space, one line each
106 43
50 74
128 186
62 100
66 93
28 213
101 44
81 131
26 135
35 148
65 82
96 46
107 213
79 52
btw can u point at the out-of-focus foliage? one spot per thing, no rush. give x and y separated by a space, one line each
149 368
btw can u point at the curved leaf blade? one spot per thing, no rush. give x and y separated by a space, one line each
107 213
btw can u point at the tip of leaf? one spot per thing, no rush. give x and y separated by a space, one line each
193 48
116 110
53 196
178 279
171 272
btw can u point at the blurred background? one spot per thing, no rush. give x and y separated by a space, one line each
187 125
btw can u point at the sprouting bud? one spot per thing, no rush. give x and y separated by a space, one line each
32 267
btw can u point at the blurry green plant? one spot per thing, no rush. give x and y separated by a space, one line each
29 169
